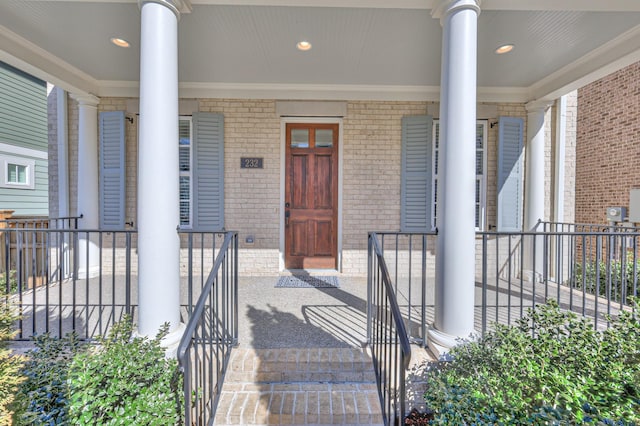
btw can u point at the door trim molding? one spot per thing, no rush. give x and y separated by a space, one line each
283 140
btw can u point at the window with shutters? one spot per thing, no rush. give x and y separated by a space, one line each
481 168
186 178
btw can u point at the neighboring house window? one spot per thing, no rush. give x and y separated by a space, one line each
17 173
186 178
481 177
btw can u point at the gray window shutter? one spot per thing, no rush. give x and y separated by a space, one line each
112 170
510 174
415 191
208 171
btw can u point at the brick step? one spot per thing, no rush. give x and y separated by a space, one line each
299 404
319 386
300 365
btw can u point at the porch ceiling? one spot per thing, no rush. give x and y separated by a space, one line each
365 50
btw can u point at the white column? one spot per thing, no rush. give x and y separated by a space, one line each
88 185
455 256
534 182
62 112
158 175
534 194
561 137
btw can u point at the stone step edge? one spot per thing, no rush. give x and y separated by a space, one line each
251 377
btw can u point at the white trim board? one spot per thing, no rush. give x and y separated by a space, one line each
24 152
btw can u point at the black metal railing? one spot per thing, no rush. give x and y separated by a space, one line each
592 273
387 336
62 280
212 331
592 270
409 258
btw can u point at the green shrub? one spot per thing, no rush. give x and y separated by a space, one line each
44 397
13 283
10 364
552 368
125 381
596 279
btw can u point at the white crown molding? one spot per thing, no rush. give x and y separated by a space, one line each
130 89
30 58
616 54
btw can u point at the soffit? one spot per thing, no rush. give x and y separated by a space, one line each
254 44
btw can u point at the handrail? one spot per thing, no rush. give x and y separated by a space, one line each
393 302
205 348
385 335
185 342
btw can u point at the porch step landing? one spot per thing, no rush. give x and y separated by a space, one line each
311 386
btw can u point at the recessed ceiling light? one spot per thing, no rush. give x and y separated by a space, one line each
303 45
505 48
120 42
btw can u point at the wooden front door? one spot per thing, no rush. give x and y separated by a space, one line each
311 196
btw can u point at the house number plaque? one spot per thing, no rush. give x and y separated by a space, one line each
250 163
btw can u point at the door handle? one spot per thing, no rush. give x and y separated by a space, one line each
287 214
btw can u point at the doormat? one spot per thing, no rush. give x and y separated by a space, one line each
306 281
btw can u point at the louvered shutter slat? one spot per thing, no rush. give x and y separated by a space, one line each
112 172
208 203
510 174
415 193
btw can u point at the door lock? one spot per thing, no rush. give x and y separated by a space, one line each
287 214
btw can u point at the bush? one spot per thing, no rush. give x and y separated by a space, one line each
125 381
43 397
552 368
596 279
10 364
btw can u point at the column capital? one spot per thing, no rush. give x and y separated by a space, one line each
443 8
86 100
176 6
538 106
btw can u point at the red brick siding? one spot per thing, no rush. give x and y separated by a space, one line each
608 144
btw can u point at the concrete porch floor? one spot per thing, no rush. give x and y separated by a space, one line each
301 357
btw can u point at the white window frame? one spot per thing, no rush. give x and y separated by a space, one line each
30 165
482 178
189 173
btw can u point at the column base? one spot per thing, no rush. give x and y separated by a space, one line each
531 276
171 341
440 343
94 272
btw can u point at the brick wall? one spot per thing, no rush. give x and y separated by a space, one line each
371 172
608 144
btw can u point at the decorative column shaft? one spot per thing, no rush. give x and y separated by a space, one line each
158 175
455 256
88 184
534 194
534 183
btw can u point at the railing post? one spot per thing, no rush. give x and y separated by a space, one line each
235 289
423 317
128 273
369 284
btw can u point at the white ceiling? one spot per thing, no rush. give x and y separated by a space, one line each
367 50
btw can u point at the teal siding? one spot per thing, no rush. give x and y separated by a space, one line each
23 124
29 202
23 109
